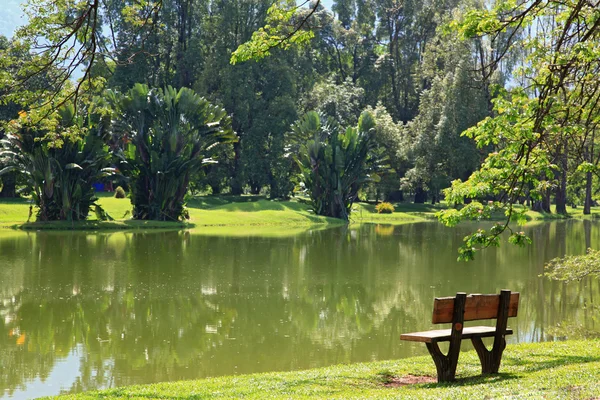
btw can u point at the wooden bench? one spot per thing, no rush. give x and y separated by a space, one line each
463 308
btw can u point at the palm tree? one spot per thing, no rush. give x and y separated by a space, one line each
334 166
60 162
166 136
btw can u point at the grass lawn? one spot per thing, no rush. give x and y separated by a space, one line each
209 211
555 370
235 211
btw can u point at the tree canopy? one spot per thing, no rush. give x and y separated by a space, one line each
489 106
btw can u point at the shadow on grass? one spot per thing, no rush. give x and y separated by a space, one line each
14 200
529 365
412 207
209 202
423 210
246 204
476 380
104 225
532 364
391 380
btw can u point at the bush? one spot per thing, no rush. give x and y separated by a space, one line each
334 162
169 135
384 208
60 160
120 193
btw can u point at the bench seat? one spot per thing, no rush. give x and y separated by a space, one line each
443 335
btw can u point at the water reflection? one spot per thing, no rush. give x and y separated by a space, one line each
85 311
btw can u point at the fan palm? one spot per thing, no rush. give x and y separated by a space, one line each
335 165
60 164
166 136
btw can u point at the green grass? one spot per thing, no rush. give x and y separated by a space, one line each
209 211
404 212
13 211
221 211
556 370
236 211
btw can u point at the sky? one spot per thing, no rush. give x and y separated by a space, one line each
11 15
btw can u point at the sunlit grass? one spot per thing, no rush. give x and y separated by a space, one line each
236 211
14 210
557 370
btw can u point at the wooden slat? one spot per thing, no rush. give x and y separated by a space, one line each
443 335
478 306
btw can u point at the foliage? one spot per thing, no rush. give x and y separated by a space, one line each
283 29
391 144
215 176
342 102
536 123
13 56
571 268
384 208
367 53
120 193
168 135
335 165
60 161
433 143
65 39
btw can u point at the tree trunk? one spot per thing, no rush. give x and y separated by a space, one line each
588 194
561 195
254 188
235 182
395 196
420 196
561 189
215 188
542 205
9 186
546 203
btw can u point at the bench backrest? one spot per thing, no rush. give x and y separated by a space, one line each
477 306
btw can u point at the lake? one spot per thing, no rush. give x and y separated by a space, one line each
82 311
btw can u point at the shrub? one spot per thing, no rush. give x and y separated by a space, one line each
335 163
385 208
170 135
60 160
120 193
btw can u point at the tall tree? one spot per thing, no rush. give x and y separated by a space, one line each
561 103
449 106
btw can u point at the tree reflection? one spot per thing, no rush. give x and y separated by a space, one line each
156 306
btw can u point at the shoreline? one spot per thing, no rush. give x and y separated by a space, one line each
239 212
569 369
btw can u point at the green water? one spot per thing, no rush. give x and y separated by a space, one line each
81 311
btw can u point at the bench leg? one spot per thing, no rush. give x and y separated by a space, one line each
445 364
490 359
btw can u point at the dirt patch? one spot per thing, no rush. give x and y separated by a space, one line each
397 381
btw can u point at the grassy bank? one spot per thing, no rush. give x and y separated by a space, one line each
209 211
203 211
234 211
556 370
